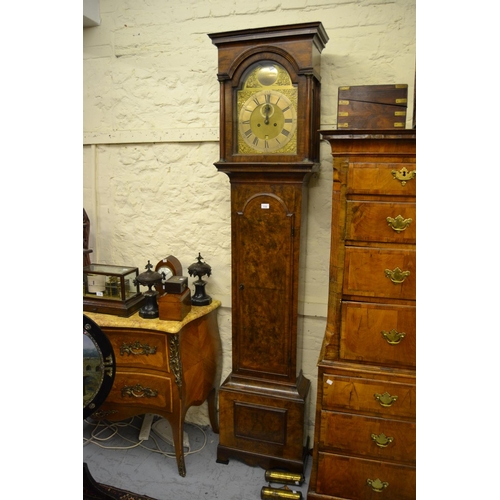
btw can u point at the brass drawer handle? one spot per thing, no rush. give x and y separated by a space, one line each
385 400
398 224
397 276
137 391
136 348
377 485
393 337
381 440
404 175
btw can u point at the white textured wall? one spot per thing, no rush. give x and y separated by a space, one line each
151 104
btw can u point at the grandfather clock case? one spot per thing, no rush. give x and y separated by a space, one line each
269 146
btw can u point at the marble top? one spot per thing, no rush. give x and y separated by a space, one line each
135 321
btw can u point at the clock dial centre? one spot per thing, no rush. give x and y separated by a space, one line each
267 121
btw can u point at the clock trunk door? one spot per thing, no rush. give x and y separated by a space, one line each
263 286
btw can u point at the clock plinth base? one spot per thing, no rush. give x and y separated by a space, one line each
262 423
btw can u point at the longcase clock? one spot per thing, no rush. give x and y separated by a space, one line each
269 145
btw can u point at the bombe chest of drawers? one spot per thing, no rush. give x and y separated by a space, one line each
163 368
365 431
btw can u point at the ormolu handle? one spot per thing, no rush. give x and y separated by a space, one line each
381 440
404 175
398 224
136 348
377 485
137 391
385 400
393 337
397 276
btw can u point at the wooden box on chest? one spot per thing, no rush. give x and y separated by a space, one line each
372 106
365 432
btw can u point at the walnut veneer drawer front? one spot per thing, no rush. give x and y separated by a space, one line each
381 221
378 333
371 437
375 272
143 390
377 397
359 479
138 349
389 179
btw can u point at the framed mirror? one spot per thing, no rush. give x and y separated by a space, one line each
98 366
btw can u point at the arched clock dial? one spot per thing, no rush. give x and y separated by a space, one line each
267 121
267 111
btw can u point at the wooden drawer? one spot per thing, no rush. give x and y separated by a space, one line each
370 437
367 268
378 333
381 221
137 349
375 397
378 178
142 390
348 478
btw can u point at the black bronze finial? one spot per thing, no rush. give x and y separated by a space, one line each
149 278
200 269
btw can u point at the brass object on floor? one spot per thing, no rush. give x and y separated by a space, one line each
277 476
285 492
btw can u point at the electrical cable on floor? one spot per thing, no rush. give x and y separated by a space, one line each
101 426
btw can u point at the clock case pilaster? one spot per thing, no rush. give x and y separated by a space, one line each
262 403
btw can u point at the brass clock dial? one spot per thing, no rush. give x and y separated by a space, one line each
267 121
267 112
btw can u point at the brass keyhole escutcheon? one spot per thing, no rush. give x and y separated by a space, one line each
393 337
398 223
404 175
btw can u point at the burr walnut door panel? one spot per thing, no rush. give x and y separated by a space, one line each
263 287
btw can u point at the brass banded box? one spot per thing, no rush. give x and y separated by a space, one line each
372 107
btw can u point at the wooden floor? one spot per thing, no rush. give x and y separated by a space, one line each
150 473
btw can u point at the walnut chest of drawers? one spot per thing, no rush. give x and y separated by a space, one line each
365 430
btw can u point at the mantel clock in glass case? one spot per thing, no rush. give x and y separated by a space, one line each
111 289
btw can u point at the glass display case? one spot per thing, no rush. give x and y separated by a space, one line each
111 289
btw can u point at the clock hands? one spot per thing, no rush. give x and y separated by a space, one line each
267 110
